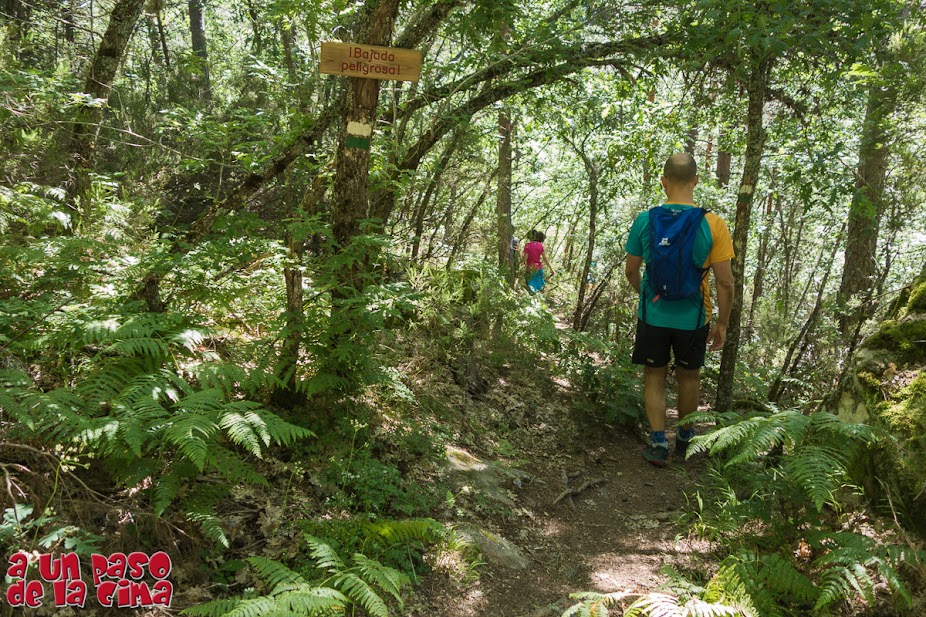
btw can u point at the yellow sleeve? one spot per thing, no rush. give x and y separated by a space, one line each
722 243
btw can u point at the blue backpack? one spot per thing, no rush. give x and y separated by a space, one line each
671 272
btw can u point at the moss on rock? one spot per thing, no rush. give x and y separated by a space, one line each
886 387
906 413
906 339
917 301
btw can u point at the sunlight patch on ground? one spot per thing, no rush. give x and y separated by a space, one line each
631 572
554 528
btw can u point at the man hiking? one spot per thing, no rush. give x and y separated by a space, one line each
679 243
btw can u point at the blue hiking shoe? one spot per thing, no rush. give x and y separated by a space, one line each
657 455
682 440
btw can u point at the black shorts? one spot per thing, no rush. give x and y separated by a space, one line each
651 347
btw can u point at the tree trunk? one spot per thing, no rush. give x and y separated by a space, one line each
755 143
288 39
352 166
154 42
198 44
18 14
647 173
464 228
257 45
97 85
592 172
422 209
570 243
348 330
156 35
860 273
691 141
288 393
503 198
758 286
68 16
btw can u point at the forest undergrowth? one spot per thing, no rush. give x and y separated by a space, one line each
146 432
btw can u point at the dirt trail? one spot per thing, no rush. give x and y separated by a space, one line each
614 536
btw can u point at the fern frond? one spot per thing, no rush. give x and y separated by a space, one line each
248 430
215 608
153 348
208 522
405 531
823 421
838 583
165 491
780 575
360 592
313 601
660 604
325 557
593 604
190 432
727 436
253 607
274 573
232 467
388 579
819 471
763 437
728 590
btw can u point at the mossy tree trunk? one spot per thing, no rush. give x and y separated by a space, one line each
757 87
348 332
506 265
97 85
859 276
199 46
592 171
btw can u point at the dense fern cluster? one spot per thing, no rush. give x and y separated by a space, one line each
798 456
332 587
778 480
142 396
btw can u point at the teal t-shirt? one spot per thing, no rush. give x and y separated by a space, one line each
680 314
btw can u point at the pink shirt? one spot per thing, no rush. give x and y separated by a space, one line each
533 250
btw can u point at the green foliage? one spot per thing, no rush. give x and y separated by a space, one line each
398 543
818 449
781 473
464 306
602 371
365 484
651 605
593 604
339 588
20 531
145 401
905 339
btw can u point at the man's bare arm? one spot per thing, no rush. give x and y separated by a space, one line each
632 270
723 276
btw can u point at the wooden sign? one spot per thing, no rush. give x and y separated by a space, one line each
370 61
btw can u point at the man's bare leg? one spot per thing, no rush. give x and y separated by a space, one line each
689 391
654 395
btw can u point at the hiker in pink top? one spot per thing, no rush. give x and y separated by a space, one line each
534 259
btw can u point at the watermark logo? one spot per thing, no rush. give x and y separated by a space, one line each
118 580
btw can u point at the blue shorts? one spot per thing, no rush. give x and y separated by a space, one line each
536 282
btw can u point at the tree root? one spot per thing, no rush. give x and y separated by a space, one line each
573 492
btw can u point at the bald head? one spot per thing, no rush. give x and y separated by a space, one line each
680 169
